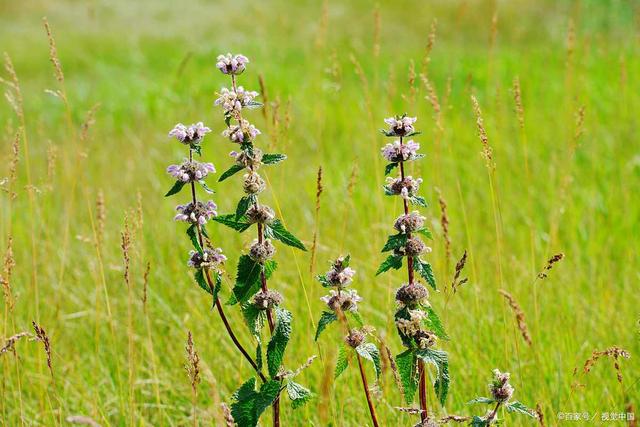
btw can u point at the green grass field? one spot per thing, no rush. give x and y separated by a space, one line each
566 182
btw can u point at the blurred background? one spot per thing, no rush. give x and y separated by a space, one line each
85 147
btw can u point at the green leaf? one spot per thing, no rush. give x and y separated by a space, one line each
520 408
323 281
435 324
234 169
203 229
196 148
408 370
412 134
254 317
201 281
440 360
425 232
278 231
342 362
243 408
395 241
279 341
248 278
268 394
239 224
485 400
478 422
227 118
259 355
243 206
326 318
192 232
418 201
370 352
206 187
424 269
298 394
270 159
175 189
389 168
356 317
252 104
392 261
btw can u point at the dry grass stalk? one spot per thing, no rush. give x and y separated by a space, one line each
411 79
457 282
145 284
482 133
517 97
101 216
444 222
42 336
522 325
432 97
632 422
13 165
13 94
376 31
571 42
193 364
228 418
139 211
431 41
9 343
319 189
89 121
615 353
265 98
53 53
454 418
52 156
7 271
392 363
554 259
82 420
125 245
540 415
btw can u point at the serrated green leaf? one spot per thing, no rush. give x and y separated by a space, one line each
425 232
278 231
254 317
205 187
435 324
203 229
248 278
408 371
243 206
370 352
326 318
520 408
279 341
478 422
230 221
395 241
356 317
346 261
390 167
259 355
243 407
175 189
269 392
197 148
234 169
201 281
418 201
392 261
342 361
412 134
323 281
424 269
270 159
298 394
440 360
485 400
192 232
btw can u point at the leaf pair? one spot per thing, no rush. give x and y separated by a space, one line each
407 364
267 159
177 187
249 403
248 278
368 351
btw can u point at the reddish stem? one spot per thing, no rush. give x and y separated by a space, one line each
424 413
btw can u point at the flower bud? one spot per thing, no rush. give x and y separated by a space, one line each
260 214
355 338
261 251
253 183
411 294
409 223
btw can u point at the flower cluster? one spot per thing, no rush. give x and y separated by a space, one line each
209 258
266 300
196 213
500 389
404 187
400 125
231 64
191 170
233 101
242 132
409 223
401 151
340 274
248 159
261 251
189 135
345 300
338 278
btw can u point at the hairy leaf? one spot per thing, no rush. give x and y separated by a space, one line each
478 422
206 187
326 318
243 408
254 318
279 341
323 281
270 159
435 324
424 269
192 232
298 394
392 261
175 189
520 408
390 167
425 232
269 392
230 172
259 355
370 352
230 221
395 241
440 360
197 148
342 362
418 201
486 400
243 206
248 278
408 370
277 230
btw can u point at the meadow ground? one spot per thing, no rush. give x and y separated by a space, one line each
566 181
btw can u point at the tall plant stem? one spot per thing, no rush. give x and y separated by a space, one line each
217 303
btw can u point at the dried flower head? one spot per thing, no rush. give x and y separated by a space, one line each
234 101
411 294
253 183
241 132
191 170
199 213
409 223
406 188
189 135
261 251
342 300
401 152
209 258
425 339
400 125
248 159
231 64
411 326
355 338
260 214
266 300
500 389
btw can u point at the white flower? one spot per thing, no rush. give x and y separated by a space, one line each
189 134
400 125
231 64
398 152
233 101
